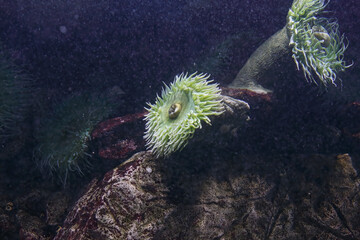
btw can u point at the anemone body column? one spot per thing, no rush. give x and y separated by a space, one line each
262 60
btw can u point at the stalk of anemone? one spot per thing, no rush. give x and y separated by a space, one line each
64 138
314 43
182 107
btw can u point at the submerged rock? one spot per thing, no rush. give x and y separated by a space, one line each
232 196
31 227
129 203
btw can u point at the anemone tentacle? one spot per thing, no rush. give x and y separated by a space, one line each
316 43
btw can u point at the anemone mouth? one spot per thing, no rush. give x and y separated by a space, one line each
317 46
177 105
175 116
321 34
174 110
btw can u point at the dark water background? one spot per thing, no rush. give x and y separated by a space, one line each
74 45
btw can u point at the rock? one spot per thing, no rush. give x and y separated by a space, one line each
221 196
56 207
31 227
344 195
349 119
223 127
235 109
129 203
119 137
33 201
6 223
34 215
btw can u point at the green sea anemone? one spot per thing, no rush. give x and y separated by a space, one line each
316 43
175 116
65 135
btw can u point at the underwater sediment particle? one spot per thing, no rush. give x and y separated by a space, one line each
172 120
64 138
314 43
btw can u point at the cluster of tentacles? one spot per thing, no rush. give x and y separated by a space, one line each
316 43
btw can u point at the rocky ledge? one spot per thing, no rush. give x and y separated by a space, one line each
232 196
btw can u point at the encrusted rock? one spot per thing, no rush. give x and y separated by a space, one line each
31 227
129 203
118 138
228 196
56 207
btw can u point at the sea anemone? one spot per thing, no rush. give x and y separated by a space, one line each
316 43
65 135
175 116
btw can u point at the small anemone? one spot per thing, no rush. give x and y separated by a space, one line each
64 137
316 42
175 116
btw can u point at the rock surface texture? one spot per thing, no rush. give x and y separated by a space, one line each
232 196
129 203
